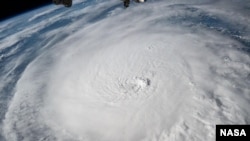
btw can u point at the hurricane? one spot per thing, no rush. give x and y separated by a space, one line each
162 70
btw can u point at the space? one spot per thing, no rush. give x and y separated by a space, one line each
163 70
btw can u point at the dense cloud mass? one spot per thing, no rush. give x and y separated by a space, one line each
162 70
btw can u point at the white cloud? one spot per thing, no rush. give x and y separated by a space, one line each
154 71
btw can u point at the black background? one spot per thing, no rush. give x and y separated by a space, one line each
234 138
11 8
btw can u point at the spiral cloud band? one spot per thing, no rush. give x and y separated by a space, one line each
161 70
